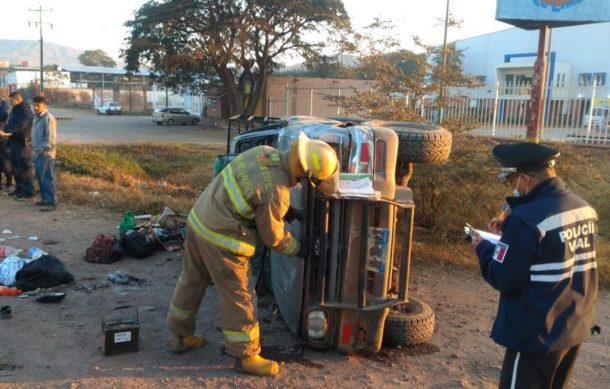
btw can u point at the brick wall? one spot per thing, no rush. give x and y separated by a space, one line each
288 96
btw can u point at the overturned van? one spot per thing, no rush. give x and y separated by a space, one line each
351 292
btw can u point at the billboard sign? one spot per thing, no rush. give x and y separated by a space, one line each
533 14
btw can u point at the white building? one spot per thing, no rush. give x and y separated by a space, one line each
579 56
24 77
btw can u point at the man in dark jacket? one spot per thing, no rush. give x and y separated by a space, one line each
545 269
19 131
6 168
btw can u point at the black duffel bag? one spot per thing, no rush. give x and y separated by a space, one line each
45 272
138 243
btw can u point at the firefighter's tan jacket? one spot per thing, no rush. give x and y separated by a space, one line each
247 200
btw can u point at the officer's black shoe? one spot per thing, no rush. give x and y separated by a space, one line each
14 193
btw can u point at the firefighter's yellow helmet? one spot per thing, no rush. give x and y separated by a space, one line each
318 160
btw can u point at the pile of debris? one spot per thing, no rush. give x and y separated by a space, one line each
139 237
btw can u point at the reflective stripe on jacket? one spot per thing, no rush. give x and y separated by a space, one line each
247 200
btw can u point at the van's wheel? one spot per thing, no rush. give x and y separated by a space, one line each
409 324
419 143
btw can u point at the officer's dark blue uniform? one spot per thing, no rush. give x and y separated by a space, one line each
545 269
20 126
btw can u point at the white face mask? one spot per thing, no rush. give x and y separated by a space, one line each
516 192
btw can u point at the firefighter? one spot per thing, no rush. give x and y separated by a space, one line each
246 201
545 269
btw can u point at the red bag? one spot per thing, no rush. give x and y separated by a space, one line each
102 250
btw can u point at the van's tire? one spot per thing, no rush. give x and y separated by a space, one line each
419 143
409 324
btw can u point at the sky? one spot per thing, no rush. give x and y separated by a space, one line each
90 25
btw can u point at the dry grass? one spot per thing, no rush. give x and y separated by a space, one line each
141 177
466 189
147 177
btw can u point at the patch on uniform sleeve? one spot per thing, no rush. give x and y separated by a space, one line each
500 252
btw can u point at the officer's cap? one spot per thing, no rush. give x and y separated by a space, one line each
524 157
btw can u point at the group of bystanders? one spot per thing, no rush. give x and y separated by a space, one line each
28 136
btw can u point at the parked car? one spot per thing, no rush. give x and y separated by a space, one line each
351 292
171 115
600 118
109 108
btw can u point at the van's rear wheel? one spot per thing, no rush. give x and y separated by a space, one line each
419 143
409 324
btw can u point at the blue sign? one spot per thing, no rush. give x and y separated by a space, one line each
533 14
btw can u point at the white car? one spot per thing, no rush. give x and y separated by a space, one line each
109 108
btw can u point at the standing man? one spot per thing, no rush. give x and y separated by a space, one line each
19 132
545 269
246 201
44 136
6 168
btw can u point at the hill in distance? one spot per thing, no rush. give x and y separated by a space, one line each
18 51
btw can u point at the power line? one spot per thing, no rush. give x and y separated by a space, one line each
40 24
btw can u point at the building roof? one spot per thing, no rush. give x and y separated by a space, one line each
101 70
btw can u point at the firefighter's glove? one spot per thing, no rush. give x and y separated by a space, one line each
304 249
293 214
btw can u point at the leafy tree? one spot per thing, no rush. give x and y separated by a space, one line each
96 58
238 41
402 77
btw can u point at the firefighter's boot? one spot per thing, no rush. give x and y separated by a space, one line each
182 344
257 365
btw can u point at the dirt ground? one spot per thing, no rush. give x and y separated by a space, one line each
59 345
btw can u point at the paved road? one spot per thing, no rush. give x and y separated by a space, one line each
88 127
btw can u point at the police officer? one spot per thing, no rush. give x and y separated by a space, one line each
248 200
19 132
544 267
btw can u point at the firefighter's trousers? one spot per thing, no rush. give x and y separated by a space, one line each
232 277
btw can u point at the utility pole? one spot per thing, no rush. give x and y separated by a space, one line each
534 120
445 38
39 24
442 80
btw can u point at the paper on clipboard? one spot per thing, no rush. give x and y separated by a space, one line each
493 238
356 185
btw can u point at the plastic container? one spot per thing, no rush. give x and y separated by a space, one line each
7 251
35 253
118 278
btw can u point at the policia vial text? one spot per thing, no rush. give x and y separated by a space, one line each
577 237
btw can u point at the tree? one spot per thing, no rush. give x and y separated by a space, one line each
96 58
239 41
403 78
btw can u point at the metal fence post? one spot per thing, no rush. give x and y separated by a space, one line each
339 105
287 99
591 111
311 102
269 107
495 115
